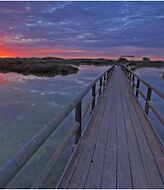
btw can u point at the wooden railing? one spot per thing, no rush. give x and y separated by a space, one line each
148 97
11 167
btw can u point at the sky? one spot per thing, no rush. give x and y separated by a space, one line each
82 29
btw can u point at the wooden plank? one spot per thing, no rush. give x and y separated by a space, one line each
96 166
152 174
66 178
95 169
109 172
137 169
149 145
123 164
69 170
115 151
79 176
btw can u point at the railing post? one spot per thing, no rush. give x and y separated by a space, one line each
137 88
130 77
100 86
107 75
148 98
133 77
94 96
104 82
78 119
127 73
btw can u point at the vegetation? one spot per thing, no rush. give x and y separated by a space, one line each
139 64
36 66
47 66
51 66
146 62
96 62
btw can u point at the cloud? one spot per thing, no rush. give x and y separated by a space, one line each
20 39
57 6
83 26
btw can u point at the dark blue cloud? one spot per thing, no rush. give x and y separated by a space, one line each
84 25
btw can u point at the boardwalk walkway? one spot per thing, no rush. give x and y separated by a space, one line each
119 149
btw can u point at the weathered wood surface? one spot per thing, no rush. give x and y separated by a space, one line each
119 149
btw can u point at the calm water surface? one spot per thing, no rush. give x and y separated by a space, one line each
28 103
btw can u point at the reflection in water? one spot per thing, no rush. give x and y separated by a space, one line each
27 103
154 76
4 78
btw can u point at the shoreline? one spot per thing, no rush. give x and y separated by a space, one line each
52 66
140 64
36 67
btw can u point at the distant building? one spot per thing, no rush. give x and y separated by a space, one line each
146 59
122 59
125 58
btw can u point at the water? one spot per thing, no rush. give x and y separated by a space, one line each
27 104
154 76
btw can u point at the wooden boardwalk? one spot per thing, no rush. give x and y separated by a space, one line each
119 149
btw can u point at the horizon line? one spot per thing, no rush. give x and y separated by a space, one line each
92 57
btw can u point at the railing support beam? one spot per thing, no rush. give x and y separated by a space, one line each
78 120
100 85
137 87
148 98
133 78
94 96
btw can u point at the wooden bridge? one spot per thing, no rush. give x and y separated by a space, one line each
118 149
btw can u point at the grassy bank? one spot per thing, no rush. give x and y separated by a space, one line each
140 64
51 66
37 67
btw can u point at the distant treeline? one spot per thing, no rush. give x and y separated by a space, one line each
139 64
54 60
51 66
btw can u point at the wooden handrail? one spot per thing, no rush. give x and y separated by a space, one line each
39 182
87 106
147 98
156 113
12 166
158 92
